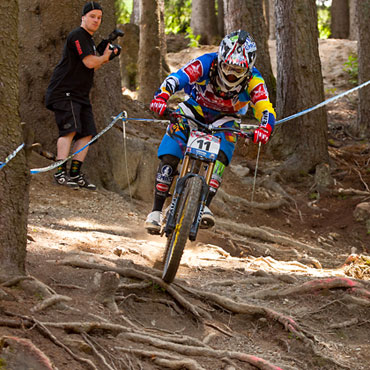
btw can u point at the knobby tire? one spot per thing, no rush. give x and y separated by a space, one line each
176 241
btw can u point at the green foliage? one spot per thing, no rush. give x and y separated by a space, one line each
323 21
177 16
2 364
351 67
123 11
193 40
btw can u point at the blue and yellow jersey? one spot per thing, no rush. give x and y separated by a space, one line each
194 78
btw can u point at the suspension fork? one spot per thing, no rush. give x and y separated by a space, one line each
202 202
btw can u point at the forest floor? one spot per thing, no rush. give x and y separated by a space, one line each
279 283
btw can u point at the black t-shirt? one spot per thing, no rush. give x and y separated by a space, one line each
71 78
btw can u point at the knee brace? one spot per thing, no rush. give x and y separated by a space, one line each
216 177
165 174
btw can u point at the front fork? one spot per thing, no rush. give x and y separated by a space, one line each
180 185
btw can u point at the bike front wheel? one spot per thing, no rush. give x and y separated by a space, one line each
177 239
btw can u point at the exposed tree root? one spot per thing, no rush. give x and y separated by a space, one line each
350 191
199 351
256 232
227 198
289 323
54 299
32 322
15 352
308 287
133 273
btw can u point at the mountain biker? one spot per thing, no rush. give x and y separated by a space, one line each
220 87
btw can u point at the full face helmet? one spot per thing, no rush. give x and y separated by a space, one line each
236 58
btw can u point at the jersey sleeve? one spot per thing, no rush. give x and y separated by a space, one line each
263 110
194 71
80 46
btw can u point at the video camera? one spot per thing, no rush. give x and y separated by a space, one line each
103 44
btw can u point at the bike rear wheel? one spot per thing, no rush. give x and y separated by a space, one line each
177 239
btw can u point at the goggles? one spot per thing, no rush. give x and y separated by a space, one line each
232 69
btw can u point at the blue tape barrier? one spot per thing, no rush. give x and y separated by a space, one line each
322 103
11 156
123 116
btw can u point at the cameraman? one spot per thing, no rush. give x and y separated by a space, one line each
68 95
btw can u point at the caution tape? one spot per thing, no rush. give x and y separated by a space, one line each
323 103
123 116
11 156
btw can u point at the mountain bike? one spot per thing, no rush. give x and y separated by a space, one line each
183 217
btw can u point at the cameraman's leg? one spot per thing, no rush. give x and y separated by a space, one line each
66 123
85 134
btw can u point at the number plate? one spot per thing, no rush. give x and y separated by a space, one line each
203 145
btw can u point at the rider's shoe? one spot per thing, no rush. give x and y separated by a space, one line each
153 222
208 219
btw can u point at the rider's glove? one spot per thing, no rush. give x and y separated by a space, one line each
159 103
262 134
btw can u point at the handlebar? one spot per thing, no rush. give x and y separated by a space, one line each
246 135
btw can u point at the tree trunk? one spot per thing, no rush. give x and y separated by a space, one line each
248 15
135 15
353 24
363 47
150 60
301 142
204 21
14 177
339 19
272 21
220 18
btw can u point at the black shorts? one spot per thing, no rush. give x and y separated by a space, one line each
74 117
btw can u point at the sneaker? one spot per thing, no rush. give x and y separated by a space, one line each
83 182
208 219
153 222
61 178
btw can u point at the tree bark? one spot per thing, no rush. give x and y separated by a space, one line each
150 59
204 21
301 142
272 21
363 47
248 15
135 15
353 24
14 177
220 18
339 19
